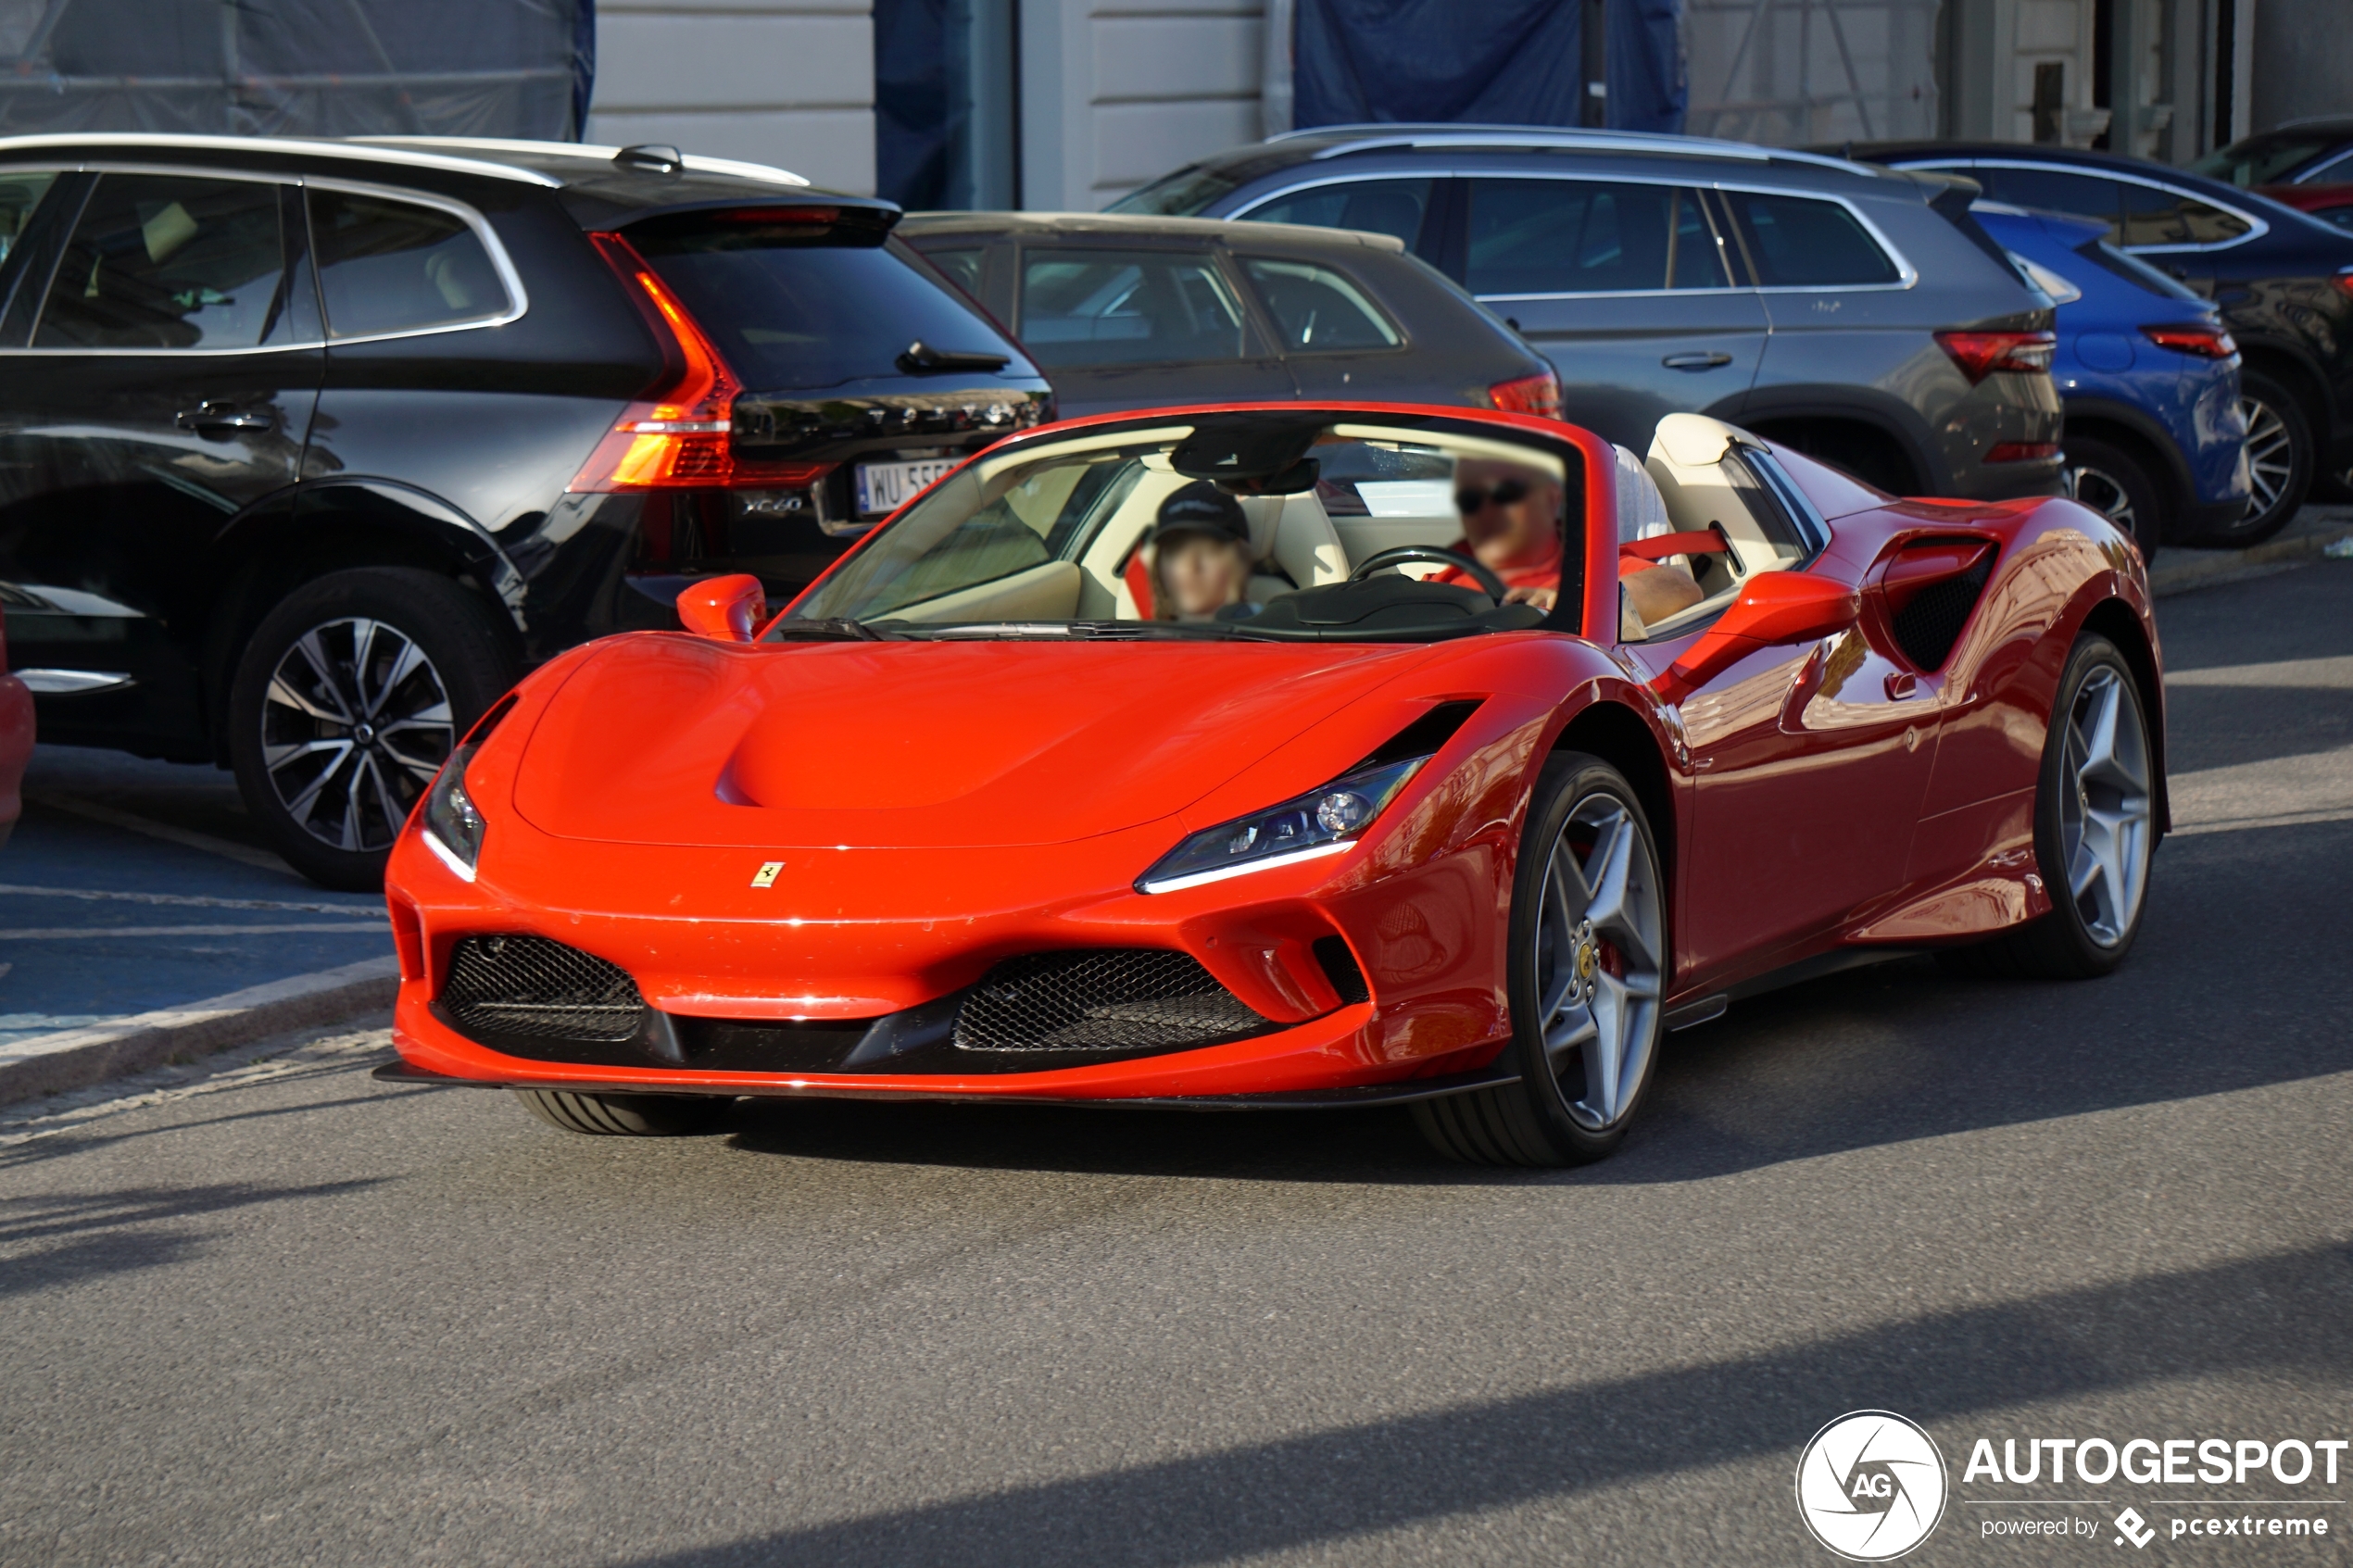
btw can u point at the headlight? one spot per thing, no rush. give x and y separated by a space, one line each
1323 822
453 825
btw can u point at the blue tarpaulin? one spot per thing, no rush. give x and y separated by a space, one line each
448 68
1496 62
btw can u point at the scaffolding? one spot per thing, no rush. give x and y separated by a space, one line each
1799 72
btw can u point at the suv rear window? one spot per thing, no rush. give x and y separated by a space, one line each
399 267
795 313
1798 242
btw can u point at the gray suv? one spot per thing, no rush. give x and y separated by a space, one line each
1858 315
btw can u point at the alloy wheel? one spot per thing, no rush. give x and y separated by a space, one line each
2270 455
355 724
2105 807
2105 495
1599 943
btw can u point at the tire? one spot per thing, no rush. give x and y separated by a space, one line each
625 1116
2115 482
330 796
2091 927
2282 458
1601 1000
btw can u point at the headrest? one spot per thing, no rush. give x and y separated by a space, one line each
1694 441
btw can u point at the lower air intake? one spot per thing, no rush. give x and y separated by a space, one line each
535 988
1101 1000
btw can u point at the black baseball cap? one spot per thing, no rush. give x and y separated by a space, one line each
1201 507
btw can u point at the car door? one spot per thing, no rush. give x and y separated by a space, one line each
166 383
1809 764
1630 290
1133 326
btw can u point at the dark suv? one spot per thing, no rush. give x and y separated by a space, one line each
308 449
1856 315
2283 281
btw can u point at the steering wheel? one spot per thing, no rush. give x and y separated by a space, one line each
1479 574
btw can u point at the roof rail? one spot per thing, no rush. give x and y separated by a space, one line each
1362 138
381 154
587 152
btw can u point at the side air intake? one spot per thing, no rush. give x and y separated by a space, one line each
1928 617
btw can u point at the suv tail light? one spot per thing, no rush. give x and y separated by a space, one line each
2200 338
678 438
2021 451
1538 395
1981 354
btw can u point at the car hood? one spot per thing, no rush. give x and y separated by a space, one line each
668 739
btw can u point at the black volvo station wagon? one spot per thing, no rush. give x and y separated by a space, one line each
308 449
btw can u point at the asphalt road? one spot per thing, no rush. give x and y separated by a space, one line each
287 1315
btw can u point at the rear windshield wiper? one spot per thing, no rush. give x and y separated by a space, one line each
920 356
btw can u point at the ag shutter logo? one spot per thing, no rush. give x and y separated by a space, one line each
1870 1486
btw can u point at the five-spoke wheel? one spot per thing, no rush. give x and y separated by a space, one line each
1588 974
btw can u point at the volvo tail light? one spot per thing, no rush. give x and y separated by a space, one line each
678 438
2203 339
1538 395
1981 354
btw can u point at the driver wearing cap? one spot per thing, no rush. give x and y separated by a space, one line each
1201 555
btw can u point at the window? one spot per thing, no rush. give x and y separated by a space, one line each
2052 190
19 193
2156 217
960 266
1126 307
1566 237
396 267
1694 259
1315 308
167 261
1377 206
793 311
1798 242
2264 159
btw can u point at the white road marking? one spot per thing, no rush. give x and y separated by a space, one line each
185 900
2278 792
2287 674
73 932
244 854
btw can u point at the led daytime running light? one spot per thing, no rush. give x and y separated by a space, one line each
1323 822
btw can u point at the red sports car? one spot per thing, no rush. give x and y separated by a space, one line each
1291 756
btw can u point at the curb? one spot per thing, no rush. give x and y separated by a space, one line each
75 1057
2223 566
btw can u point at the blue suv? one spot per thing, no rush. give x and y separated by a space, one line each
2149 375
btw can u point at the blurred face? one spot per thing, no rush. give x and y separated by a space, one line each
1202 574
1511 515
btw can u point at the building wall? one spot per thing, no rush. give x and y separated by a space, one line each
2303 64
1789 72
789 82
1117 93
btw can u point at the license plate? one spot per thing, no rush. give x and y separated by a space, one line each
883 487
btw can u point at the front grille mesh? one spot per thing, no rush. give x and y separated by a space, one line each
530 986
1101 1000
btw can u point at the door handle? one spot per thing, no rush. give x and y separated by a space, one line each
1695 361
206 418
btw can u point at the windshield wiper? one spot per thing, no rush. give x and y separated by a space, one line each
1074 631
836 629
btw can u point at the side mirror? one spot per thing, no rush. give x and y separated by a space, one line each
726 609
1774 607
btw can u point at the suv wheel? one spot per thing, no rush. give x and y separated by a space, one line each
2112 483
2280 462
347 700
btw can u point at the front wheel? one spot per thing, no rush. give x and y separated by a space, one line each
1588 971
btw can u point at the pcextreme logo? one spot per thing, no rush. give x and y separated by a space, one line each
1870 1486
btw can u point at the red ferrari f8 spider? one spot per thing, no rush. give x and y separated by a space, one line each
1425 811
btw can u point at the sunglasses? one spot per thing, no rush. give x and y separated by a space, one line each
1471 498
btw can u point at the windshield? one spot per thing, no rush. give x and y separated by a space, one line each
1318 528
2259 160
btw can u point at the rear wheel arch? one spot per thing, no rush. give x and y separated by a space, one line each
1863 445
2140 437
2302 380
